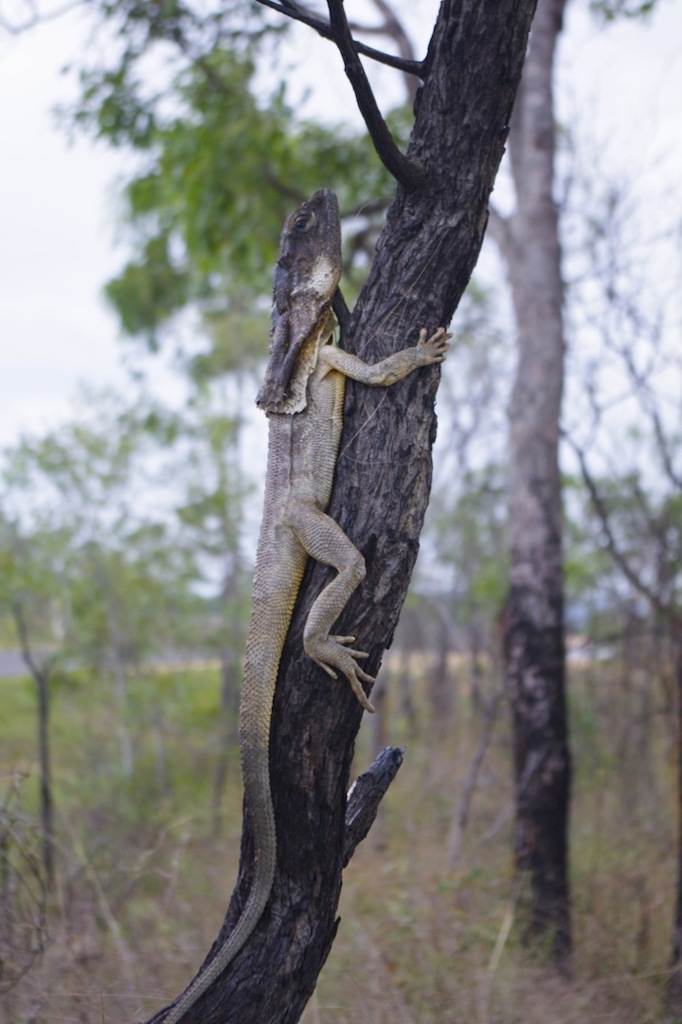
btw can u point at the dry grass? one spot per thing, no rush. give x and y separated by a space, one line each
142 883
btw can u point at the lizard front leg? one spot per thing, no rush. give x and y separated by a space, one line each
325 541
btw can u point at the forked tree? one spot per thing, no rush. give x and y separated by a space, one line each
424 259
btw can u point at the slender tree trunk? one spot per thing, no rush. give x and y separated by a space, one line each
226 733
125 739
404 683
41 677
674 991
423 263
230 674
116 659
441 688
46 804
476 676
534 627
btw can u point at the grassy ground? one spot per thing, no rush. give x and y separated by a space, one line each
144 878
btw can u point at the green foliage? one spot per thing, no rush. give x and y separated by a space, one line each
121 535
221 165
99 578
212 521
148 291
470 540
36 572
611 10
238 340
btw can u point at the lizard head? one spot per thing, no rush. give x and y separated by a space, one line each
306 276
309 262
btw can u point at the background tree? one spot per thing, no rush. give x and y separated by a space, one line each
34 590
534 608
626 435
99 578
213 513
530 241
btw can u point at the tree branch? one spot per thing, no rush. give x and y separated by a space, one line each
407 173
619 558
366 794
648 402
460 820
39 672
35 18
393 28
296 13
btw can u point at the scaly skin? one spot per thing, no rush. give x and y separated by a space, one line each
302 449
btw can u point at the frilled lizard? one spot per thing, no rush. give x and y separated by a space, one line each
303 395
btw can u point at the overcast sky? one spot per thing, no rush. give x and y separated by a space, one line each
57 209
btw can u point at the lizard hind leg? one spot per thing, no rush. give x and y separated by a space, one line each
325 541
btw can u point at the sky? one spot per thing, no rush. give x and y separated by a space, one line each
59 241
55 242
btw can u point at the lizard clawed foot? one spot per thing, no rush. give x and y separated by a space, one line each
345 640
334 651
433 349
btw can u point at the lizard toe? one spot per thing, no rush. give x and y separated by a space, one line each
360 693
330 671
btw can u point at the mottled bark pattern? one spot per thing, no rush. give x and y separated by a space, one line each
533 617
674 986
424 260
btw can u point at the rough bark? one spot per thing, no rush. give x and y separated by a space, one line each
41 676
674 986
533 618
423 262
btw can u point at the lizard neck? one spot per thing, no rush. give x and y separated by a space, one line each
306 361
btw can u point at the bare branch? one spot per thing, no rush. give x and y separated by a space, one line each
648 401
323 28
621 560
462 816
36 18
392 27
366 794
39 672
405 171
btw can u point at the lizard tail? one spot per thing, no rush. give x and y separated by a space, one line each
260 675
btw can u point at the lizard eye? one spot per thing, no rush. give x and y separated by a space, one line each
304 222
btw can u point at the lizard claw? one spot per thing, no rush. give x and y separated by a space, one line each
344 641
433 349
333 651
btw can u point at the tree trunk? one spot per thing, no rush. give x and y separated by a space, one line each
232 621
41 677
46 805
534 629
226 734
424 259
674 988
441 689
